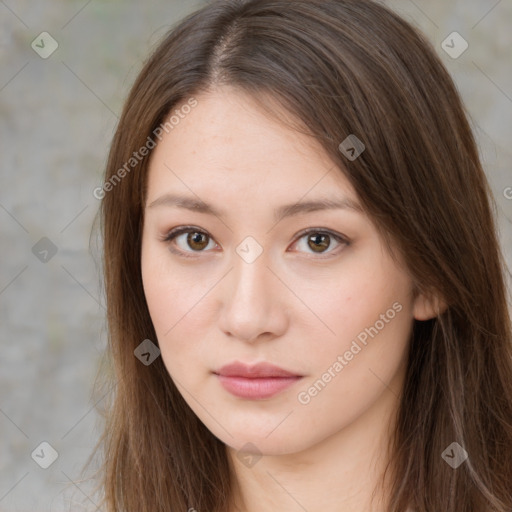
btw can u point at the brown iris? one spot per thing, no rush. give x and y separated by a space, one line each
197 241
319 242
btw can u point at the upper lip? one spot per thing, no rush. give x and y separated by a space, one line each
260 370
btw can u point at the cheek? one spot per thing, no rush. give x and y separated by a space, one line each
178 304
169 292
371 319
168 305
370 298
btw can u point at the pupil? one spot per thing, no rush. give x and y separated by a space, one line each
194 240
318 239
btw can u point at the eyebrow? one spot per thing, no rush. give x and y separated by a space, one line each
289 210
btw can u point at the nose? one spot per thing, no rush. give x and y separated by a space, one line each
252 302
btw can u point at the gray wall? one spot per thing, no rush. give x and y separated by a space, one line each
57 118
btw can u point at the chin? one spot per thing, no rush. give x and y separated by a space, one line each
257 443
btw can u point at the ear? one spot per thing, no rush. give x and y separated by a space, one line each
427 307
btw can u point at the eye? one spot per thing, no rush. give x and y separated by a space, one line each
317 240
320 241
195 239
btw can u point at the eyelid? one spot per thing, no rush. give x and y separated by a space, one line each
177 231
171 235
341 239
323 231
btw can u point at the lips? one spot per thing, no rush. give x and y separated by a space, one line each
259 370
256 382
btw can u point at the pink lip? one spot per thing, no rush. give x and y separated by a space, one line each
262 380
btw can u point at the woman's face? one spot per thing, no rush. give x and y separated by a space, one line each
248 284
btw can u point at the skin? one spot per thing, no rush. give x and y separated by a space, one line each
293 306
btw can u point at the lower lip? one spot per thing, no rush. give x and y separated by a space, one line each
256 388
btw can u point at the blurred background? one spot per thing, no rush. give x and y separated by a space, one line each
65 69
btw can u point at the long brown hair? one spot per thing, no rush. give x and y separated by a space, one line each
339 67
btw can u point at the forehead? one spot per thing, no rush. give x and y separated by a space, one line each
227 144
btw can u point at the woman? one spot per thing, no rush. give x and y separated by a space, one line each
305 290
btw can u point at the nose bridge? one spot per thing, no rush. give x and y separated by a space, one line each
249 282
251 301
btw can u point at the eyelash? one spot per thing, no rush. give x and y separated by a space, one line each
174 233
